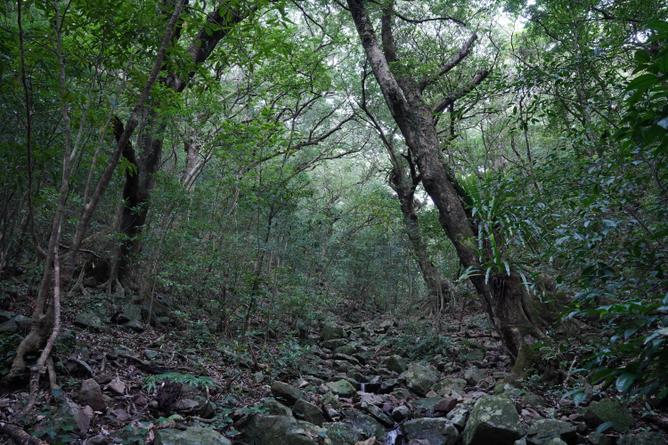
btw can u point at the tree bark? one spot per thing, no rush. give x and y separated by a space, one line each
502 296
438 287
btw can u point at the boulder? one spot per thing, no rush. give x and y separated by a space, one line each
285 392
395 363
89 320
493 419
420 378
13 323
400 413
543 431
365 424
430 431
130 312
342 388
609 410
340 433
195 435
425 407
331 331
309 412
378 414
91 394
450 386
262 429
276 408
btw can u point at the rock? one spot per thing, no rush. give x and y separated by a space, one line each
474 375
9 327
378 414
334 343
609 410
644 438
332 331
420 378
339 433
348 349
347 358
151 354
195 435
450 386
458 416
91 394
431 431
117 386
596 438
135 325
493 419
400 413
342 388
264 429
13 323
130 312
258 377
309 412
544 430
285 392
82 415
276 408
425 407
388 385
445 405
395 363
471 354
364 423
89 320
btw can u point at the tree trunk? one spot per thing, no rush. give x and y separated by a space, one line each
438 287
503 297
139 182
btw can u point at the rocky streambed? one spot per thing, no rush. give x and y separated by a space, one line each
372 383
357 390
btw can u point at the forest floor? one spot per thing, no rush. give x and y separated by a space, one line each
379 381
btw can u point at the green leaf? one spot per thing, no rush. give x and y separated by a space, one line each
643 82
625 381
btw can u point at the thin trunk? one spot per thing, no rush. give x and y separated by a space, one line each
438 287
44 311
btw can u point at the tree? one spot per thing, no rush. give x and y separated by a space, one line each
502 294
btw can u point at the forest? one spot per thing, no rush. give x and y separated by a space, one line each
348 222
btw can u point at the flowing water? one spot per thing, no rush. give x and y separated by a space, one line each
362 387
391 437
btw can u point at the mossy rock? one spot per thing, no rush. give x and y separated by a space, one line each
609 410
493 419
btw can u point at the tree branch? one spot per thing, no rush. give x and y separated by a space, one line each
464 51
452 97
